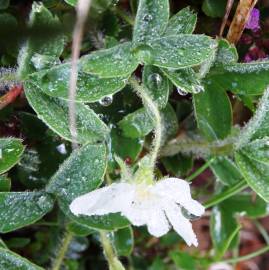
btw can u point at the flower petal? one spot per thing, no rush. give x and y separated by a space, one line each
110 199
157 223
180 224
179 191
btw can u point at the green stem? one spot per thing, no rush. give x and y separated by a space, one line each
248 256
112 259
62 251
200 170
262 231
150 104
226 194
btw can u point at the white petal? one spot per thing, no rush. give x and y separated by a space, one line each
179 191
157 223
110 199
143 204
180 224
137 215
194 208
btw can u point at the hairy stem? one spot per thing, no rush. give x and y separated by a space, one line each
83 7
112 259
62 251
153 108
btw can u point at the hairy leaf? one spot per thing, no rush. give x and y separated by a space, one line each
19 209
54 112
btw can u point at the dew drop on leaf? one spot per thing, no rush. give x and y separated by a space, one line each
147 18
198 88
155 80
182 92
106 101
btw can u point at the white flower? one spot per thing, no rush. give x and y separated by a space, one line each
158 206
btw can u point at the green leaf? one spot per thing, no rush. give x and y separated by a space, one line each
4 4
125 147
158 264
242 78
11 150
90 88
215 9
258 126
178 165
226 171
151 20
179 51
5 183
156 84
256 173
54 112
123 241
79 229
244 204
117 61
226 53
71 2
81 173
139 123
19 209
223 224
184 79
213 112
223 229
183 260
10 261
183 22
51 44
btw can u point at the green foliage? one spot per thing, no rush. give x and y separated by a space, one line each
54 112
11 150
213 112
10 260
189 77
214 8
55 82
18 209
40 18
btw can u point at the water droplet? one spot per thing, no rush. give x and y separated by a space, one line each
188 215
155 80
182 92
197 89
147 18
106 101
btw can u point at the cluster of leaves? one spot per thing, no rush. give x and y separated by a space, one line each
112 121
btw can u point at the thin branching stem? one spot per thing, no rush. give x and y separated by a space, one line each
153 108
62 251
112 259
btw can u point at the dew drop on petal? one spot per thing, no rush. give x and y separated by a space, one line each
188 215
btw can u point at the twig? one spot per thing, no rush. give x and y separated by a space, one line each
10 96
240 19
83 7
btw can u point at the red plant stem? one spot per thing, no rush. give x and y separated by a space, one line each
9 97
